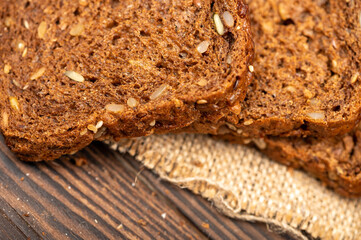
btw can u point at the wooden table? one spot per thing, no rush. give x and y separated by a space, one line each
110 197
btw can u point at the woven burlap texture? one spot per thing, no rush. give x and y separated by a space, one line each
244 184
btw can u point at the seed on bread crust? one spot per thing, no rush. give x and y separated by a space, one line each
99 124
7 68
26 24
354 77
16 83
314 102
228 19
132 102
219 25
248 122
42 29
116 108
14 103
38 73
202 101
260 143
92 128
101 131
316 115
25 52
158 92
236 109
95 128
203 46
74 76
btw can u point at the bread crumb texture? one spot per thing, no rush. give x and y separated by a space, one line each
140 67
307 69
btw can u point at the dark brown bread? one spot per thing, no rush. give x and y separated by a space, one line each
314 48
335 161
307 69
75 71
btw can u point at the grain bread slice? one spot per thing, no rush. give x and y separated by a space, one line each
307 70
75 71
335 161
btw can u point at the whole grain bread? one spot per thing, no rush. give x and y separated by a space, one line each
75 71
313 89
335 161
307 70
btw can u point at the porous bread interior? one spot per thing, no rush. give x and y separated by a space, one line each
307 68
124 50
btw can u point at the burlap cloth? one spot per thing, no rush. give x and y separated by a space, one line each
244 184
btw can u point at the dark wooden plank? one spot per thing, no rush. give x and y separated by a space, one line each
8 230
93 201
201 212
13 225
110 197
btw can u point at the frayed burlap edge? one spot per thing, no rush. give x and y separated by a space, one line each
244 184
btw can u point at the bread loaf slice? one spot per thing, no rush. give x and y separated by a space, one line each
307 70
75 71
335 161
307 82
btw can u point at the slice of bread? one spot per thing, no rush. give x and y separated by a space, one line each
75 71
307 69
335 161
308 81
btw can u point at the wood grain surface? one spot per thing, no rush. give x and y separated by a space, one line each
110 197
